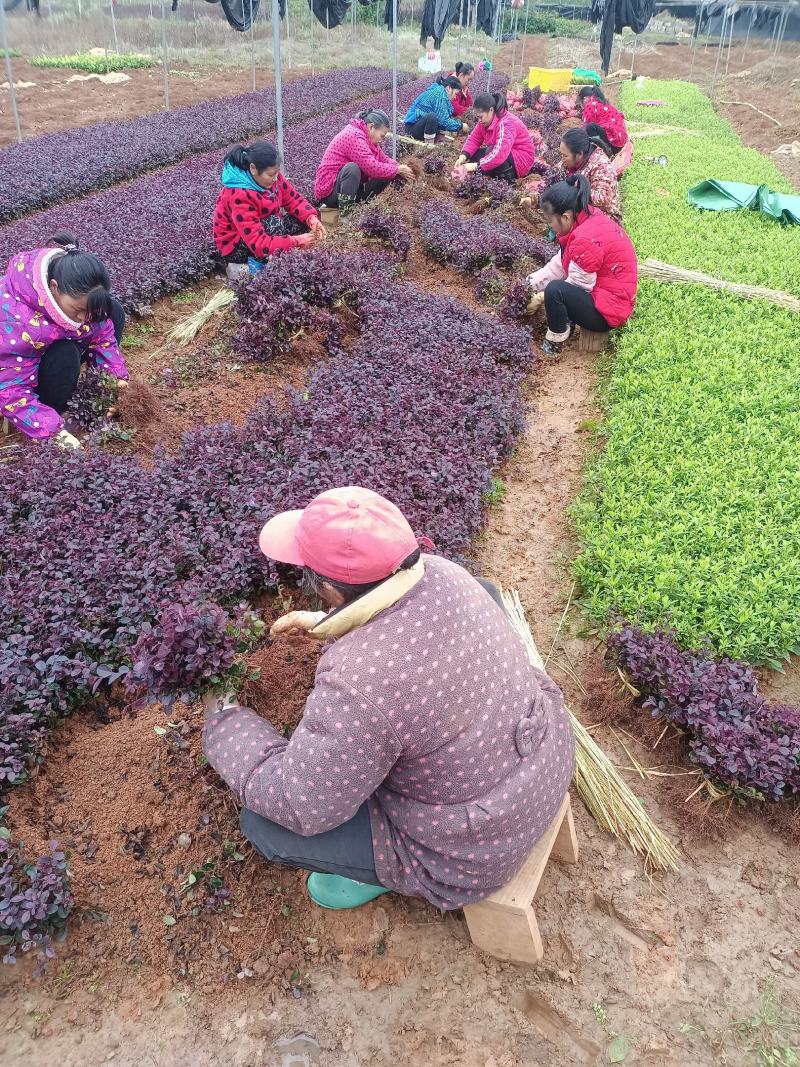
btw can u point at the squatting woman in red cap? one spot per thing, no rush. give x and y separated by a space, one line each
431 755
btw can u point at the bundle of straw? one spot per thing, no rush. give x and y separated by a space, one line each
185 331
665 272
613 805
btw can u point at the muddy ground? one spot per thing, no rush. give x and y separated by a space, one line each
669 963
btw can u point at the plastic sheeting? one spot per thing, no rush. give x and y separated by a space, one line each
330 13
615 15
437 15
487 16
714 195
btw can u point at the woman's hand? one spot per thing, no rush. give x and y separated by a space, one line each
464 127
462 159
535 302
316 227
303 240
471 167
406 172
296 622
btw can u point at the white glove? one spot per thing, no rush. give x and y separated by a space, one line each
64 439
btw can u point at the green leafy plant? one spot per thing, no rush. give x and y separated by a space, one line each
95 64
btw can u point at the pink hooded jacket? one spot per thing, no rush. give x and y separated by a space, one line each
432 714
31 321
352 145
506 135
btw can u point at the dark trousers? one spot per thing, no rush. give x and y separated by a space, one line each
60 365
506 172
597 135
351 184
345 850
565 303
425 124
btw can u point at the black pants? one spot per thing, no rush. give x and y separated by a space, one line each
506 172
60 365
565 303
425 125
597 135
345 850
350 183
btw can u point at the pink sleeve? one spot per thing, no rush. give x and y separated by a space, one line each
474 141
501 150
378 166
338 756
105 352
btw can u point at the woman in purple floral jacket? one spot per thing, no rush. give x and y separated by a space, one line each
431 755
55 311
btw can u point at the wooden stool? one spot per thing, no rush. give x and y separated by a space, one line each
329 217
504 924
588 341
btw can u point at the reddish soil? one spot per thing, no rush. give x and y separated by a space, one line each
672 960
55 103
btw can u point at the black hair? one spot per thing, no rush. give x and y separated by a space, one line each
597 135
592 90
464 68
80 274
375 117
313 581
449 82
577 141
574 194
489 101
262 154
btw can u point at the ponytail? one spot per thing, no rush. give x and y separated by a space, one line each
261 154
464 68
491 102
574 194
578 141
79 274
592 90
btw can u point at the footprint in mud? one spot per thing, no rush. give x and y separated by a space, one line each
556 1028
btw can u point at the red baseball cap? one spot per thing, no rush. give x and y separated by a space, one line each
350 534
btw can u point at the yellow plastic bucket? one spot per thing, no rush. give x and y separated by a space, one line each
550 80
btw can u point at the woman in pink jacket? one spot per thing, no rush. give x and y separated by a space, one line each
354 167
501 145
55 312
431 755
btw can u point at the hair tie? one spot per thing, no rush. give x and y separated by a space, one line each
70 248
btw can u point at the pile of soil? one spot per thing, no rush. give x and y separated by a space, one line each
130 795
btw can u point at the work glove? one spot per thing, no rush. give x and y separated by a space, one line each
64 439
296 622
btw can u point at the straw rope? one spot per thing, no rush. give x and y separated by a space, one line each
610 801
665 272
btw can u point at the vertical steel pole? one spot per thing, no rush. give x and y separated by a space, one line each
114 25
252 45
11 90
633 54
730 42
194 23
779 41
697 25
328 29
164 57
460 26
313 20
394 79
276 53
719 50
288 39
524 42
747 38
514 22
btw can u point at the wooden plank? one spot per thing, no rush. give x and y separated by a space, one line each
507 935
565 846
521 890
589 341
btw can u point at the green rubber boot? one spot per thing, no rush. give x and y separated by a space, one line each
337 893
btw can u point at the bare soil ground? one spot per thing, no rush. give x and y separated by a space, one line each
670 962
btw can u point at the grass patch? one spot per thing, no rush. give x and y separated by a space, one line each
691 515
95 64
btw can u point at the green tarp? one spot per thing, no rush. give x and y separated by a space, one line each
713 195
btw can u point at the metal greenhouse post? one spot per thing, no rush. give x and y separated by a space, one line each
252 44
165 60
524 42
394 79
276 53
114 25
11 90
747 38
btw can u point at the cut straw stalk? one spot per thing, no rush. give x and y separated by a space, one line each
610 801
665 272
185 331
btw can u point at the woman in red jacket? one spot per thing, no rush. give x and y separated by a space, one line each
591 282
462 101
250 217
604 124
500 146
354 167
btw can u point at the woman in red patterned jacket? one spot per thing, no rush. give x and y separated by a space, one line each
581 156
253 211
603 122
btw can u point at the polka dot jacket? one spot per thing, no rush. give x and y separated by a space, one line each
31 321
432 713
240 213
